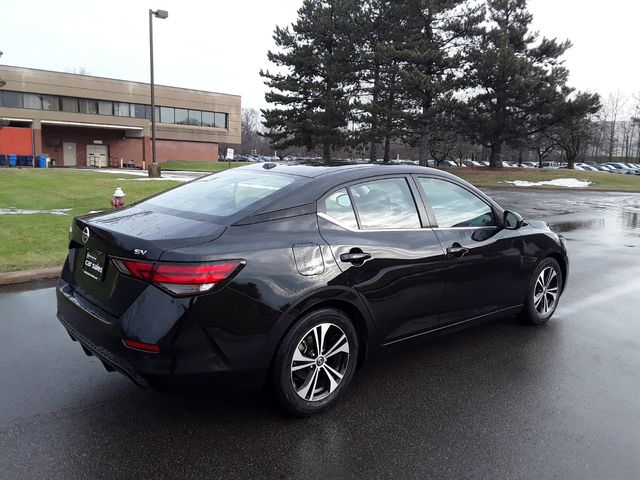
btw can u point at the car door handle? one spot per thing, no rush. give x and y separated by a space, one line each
457 250
355 257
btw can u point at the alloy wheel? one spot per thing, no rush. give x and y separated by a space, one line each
545 294
319 362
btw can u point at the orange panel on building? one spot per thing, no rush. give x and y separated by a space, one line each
15 140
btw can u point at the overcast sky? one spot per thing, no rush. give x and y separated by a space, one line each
221 45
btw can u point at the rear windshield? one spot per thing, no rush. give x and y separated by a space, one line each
222 195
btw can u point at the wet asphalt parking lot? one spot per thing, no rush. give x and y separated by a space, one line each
499 400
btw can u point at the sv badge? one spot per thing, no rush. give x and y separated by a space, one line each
137 251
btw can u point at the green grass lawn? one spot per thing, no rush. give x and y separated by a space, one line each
202 166
497 178
40 240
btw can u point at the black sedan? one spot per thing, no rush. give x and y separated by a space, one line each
291 276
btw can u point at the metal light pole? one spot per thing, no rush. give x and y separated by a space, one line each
154 168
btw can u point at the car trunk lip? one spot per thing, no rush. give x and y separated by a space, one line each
143 234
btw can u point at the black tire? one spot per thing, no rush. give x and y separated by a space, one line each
294 388
536 311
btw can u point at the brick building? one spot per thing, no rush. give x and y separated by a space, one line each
81 120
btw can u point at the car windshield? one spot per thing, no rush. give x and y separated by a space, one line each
222 195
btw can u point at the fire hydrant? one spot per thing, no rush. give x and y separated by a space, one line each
118 199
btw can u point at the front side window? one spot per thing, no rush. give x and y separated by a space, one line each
455 206
385 204
338 206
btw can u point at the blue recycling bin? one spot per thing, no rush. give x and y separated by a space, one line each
12 160
42 161
3 160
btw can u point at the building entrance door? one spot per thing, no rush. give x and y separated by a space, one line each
69 150
97 156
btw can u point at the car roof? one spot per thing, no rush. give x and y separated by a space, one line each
318 179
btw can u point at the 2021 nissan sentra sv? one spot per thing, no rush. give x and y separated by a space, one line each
294 274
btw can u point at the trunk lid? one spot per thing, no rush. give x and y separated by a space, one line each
134 233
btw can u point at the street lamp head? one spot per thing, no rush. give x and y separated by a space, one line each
161 14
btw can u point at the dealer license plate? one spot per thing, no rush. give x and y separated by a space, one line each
94 264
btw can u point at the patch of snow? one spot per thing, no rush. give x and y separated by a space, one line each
21 211
144 179
558 182
144 176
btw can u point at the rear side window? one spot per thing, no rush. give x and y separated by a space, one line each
454 206
380 205
338 206
222 195
385 204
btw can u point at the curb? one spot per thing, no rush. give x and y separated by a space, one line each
24 276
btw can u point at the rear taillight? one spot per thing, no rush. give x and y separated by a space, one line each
181 278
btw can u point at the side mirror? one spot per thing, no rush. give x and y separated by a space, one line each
512 221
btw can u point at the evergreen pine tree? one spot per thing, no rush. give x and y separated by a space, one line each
315 80
436 36
520 80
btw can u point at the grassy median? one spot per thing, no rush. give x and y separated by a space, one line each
482 177
40 240
202 166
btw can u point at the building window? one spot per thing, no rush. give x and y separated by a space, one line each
167 115
221 120
105 108
139 111
88 106
208 119
121 109
51 102
195 117
31 100
70 104
12 99
182 116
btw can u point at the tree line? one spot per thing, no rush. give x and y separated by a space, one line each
434 75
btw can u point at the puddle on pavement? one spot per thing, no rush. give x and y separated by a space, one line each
22 211
564 227
620 227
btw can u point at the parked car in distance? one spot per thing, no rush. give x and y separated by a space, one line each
293 276
472 164
450 164
618 167
550 164
507 164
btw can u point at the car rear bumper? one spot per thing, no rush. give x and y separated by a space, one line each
188 358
